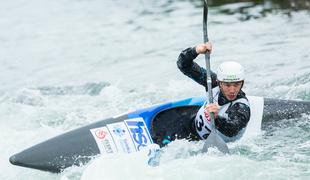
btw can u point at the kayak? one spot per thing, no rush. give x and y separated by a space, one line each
130 132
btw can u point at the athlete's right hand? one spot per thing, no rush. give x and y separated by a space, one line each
203 48
215 108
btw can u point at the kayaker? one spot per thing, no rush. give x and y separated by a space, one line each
231 107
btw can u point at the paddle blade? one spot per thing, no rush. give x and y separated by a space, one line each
214 140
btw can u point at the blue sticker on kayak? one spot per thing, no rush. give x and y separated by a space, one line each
122 137
139 132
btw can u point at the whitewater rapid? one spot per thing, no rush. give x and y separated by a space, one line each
65 64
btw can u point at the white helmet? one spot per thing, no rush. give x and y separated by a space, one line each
230 71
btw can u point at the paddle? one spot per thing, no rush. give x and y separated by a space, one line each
213 140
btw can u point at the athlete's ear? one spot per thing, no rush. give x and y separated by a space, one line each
220 85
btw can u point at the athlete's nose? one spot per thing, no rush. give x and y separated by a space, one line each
232 90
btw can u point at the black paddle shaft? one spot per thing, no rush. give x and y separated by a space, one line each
207 59
213 140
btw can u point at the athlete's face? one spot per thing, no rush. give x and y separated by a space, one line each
230 90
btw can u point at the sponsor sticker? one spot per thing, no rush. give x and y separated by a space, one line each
207 115
121 137
138 132
104 140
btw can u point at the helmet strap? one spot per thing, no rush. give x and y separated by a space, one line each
242 85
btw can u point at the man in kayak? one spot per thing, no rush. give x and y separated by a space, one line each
231 107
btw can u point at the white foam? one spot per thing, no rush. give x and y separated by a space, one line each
109 165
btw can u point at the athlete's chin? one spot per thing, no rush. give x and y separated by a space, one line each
231 97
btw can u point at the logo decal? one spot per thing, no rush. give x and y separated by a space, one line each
139 132
121 137
207 115
119 131
104 140
100 133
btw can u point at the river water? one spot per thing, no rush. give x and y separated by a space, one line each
67 63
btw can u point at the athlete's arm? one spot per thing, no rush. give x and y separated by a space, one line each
191 69
238 117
